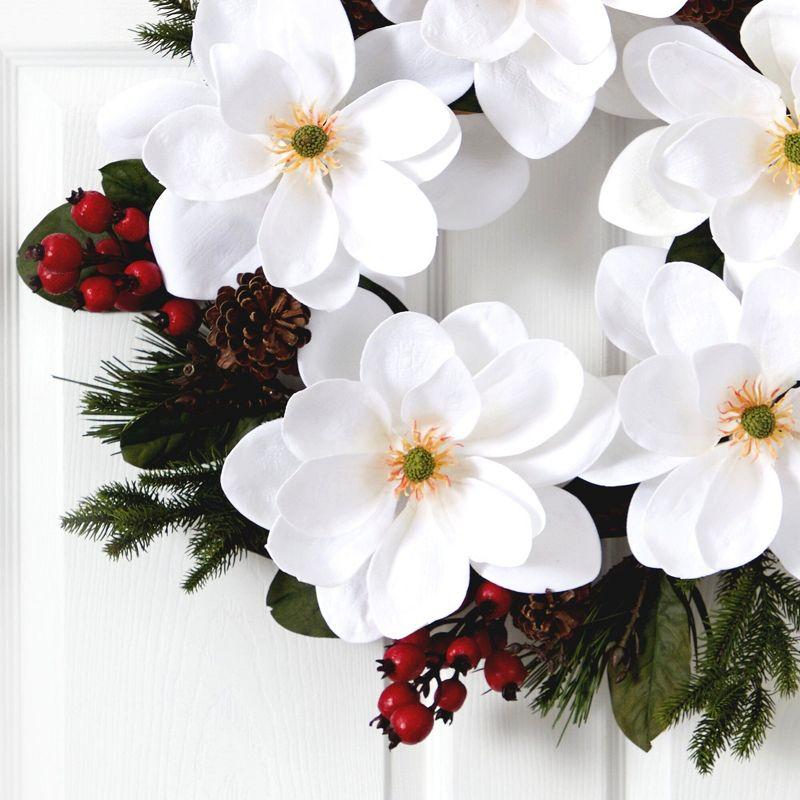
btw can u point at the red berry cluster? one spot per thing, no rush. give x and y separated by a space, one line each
416 662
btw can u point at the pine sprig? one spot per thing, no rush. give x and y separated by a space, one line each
172 35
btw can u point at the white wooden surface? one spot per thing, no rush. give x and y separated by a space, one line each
114 683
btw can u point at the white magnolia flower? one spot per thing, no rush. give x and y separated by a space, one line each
539 68
707 416
382 489
729 150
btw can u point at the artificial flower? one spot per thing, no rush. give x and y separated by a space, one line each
730 149
708 415
444 452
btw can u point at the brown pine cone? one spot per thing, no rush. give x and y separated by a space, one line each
363 16
257 327
705 11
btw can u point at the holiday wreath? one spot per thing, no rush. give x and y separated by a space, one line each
446 483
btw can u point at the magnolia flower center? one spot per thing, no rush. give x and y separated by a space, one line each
753 418
784 154
309 140
420 462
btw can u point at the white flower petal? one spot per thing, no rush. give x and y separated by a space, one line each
630 200
336 417
721 369
338 337
334 288
334 495
399 52
400 10
528 394
482 331
529 120
125 120
448 400
648 8
786 544
417 575
201 247
578 31
197 156
637 539
346 610
299 236
577 445
565 555
769 324
658 403
314 36
402 353
687 308
386 221
255 470
433 162
485 167
624 275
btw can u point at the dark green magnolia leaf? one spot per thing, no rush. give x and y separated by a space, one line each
468 103
698 247
659 672
128 183
161 437
294 606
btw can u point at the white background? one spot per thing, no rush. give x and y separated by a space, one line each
115 685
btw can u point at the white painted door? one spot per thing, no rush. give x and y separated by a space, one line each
116 685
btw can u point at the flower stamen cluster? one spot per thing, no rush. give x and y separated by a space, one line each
784 153
420 461
308 140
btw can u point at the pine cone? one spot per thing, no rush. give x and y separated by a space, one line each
364 17
705 11
257 328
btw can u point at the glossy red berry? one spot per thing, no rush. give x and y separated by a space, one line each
128 301
394 696
131 225
99 293
91 211
179 317
412 723
110 248
419 638
450 695
402 662
145 277
504 673
55 282
58 252
494 601
463 654
484 641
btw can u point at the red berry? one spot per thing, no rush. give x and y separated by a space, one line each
493 600
91 211
504 673
56 282
450 695
131 225
99 293
402 662
463 654
412 723
484 641
437 647
110 248
419 638
180 317
128 301
58 252
146 277
396 695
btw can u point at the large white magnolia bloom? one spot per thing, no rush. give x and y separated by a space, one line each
708 420
539 66
381 487
729 149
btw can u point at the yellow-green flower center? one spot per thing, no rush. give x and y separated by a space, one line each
310 141
791 147
419 465
759 422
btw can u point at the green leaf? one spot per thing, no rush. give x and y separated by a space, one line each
293 606
161 437
128 183
468 103
659 673
698 247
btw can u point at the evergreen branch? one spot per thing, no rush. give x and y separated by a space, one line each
172 35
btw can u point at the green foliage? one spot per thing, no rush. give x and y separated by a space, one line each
171 35
749 655
129 516
128 183
294 606
698 247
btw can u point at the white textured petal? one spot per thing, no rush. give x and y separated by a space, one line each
197 156
648 8
334 288
786 544
565 555
482 331
486 178
578 31
433 162
255 470
637 540
624 275
720 370
346 610
417 575
201 247
401 10
338 338
528 394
